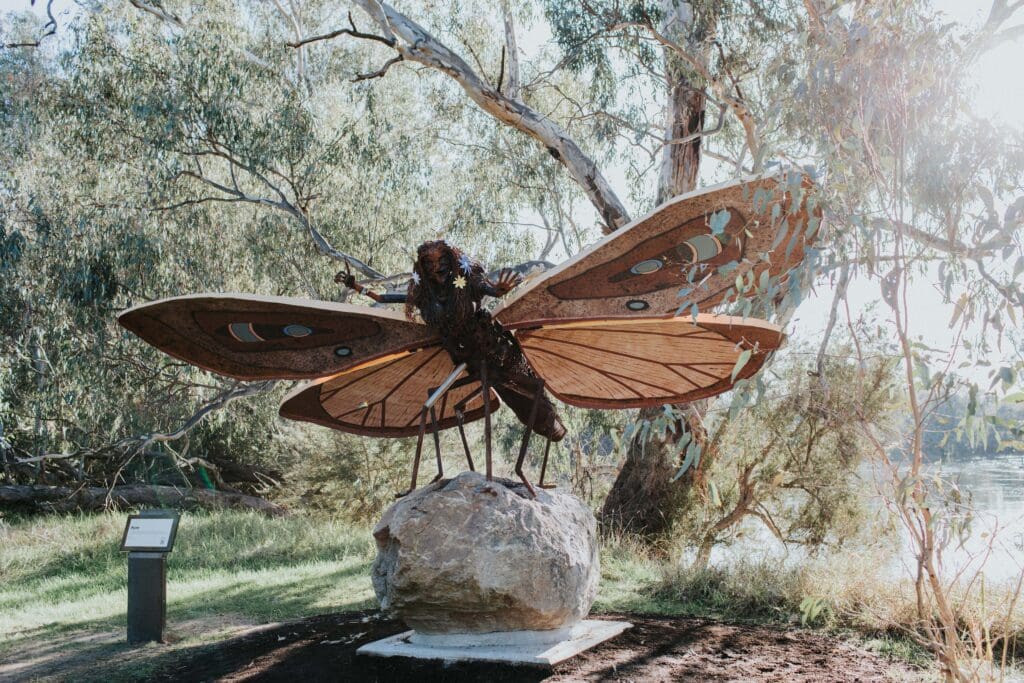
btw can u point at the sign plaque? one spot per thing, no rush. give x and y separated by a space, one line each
151 533
148 537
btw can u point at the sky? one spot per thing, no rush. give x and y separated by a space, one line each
999 95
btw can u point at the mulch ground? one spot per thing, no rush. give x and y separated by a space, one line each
655 649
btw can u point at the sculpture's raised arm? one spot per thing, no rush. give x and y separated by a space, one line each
346 278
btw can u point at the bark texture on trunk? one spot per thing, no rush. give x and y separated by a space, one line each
644 500
680 163
93 499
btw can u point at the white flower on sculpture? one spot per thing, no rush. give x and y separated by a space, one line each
416 278
465 263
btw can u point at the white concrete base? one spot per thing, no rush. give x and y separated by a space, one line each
534 648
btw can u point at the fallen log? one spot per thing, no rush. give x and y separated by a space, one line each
96 498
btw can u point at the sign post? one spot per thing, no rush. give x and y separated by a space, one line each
148 537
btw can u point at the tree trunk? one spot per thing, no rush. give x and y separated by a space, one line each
644 500
92 499
680 163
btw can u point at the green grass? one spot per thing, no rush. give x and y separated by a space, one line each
63 587
54 571
631 581
62 579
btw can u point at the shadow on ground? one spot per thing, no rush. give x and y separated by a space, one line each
657 648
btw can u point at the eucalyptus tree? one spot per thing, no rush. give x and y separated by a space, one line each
643 91
574 102
164 123
801 84
153 153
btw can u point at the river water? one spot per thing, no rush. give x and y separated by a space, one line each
996 489
993 543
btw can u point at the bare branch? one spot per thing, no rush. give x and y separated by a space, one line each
324 246
234 194
352 31
840 295
512 60
763 515
158 12
49 29
135 445
222 400
415 44
1009 292
736 104
1007 35
46 456
953 246
379 72
990 35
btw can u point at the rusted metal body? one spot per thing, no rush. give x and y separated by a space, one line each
447 290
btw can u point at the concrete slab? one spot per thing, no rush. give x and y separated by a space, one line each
534 648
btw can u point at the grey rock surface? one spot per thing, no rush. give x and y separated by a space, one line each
466 555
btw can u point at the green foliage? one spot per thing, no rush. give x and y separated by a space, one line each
791 461
959 429
147 163
812 610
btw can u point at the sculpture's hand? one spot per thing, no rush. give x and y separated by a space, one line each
346 278
507 279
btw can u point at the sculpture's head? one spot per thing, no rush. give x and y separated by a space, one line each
443 273
435 261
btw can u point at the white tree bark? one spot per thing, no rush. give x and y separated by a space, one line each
415 44
680 162
512 84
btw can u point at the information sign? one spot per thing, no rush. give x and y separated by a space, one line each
153 530
148 537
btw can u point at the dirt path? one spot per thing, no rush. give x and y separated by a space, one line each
655 649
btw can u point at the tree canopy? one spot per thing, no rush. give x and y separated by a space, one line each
163 148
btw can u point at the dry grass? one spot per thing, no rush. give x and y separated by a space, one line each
62 586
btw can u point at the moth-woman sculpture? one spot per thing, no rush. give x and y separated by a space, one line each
621 325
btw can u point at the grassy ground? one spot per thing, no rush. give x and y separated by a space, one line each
62 580
63 595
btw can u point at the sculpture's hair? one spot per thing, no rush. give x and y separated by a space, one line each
422 288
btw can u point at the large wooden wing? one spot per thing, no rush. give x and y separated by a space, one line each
384 397
256 337
696 244
635 363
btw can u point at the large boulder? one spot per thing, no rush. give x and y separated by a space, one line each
467 555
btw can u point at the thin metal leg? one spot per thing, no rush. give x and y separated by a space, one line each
539 391
460 417
419 450
433 395
486 388
437 445
544 468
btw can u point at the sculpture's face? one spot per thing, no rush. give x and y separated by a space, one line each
436 263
